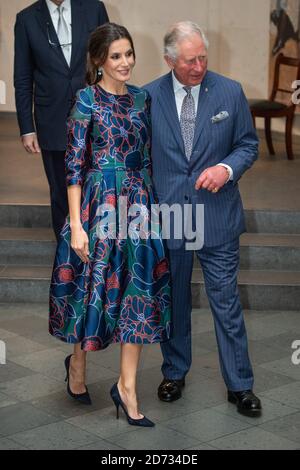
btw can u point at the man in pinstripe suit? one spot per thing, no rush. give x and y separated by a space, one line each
203 141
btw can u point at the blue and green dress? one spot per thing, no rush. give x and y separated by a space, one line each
123 293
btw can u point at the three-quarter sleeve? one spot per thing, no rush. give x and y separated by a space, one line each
79 138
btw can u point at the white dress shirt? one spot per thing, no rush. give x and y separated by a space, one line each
180 94
54 17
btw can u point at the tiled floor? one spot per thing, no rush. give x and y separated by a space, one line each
36 413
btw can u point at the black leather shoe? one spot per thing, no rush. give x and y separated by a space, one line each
247 403
170 390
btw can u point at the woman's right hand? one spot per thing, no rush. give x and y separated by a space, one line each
80 242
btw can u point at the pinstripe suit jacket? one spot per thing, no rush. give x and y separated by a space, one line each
232 141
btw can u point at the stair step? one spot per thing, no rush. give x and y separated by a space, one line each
25 272
271 240
260 290
257 221
27 246
258 277
24 283
268 252
25 215
36 246
267 221
47 235
26 234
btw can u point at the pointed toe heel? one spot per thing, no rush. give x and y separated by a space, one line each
83 398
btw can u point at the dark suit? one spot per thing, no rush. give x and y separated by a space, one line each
231 141
43 77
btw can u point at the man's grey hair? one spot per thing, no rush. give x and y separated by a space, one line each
178 32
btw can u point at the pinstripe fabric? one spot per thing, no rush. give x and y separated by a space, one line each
232 141
177 351
220 268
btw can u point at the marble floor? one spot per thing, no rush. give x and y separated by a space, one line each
36 412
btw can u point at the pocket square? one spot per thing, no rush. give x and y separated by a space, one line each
220 117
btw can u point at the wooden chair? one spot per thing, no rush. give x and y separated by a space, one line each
271 108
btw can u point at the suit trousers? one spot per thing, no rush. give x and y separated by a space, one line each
220 268
54 164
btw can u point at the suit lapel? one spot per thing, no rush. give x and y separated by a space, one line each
44 18
168 105
204 111
45 21
77 29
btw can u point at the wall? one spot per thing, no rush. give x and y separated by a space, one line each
238 31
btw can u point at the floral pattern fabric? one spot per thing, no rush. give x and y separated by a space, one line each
123 293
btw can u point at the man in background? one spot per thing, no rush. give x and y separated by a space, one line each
51 38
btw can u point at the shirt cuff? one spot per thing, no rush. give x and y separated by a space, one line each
29 133
230 171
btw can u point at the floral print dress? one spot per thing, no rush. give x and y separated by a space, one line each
123 293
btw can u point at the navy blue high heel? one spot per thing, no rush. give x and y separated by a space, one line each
115 395
83 398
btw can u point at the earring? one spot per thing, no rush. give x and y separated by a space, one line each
99 72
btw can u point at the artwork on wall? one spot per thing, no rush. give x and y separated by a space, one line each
284 38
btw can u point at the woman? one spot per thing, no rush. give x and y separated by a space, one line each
106 287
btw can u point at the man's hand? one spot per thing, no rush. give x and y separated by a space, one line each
212 179
30 143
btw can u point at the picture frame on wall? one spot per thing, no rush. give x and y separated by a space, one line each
285 39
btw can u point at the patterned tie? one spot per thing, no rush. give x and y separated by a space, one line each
187 121
63 34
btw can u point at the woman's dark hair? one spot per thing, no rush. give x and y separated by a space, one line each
99 44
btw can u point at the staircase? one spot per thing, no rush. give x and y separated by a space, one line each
269 277
27 247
